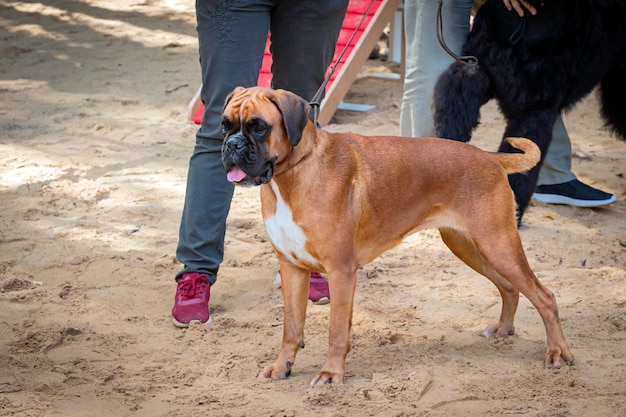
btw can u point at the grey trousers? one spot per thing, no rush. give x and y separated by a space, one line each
426 60
232 35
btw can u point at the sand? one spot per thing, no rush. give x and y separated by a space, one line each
94 146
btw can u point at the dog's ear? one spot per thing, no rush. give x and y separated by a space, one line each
295 111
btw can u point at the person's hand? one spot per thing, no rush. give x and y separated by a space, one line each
517 5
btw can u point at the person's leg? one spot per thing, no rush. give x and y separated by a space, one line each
304 37
557 184
425 58
231 45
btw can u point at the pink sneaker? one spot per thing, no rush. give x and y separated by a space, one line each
318 289
191 303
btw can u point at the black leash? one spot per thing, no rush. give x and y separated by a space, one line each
464 59
315 101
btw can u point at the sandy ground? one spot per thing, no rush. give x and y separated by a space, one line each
94 144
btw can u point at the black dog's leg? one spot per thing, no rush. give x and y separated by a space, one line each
537 126
613 98
459 93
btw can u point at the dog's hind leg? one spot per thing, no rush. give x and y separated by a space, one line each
459 94
498 243
613 98
466 251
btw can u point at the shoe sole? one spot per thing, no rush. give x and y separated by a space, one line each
181 325
321 301
559 199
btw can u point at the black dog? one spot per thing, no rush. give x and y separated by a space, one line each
536 67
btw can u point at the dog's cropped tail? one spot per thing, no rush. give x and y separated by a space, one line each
520 162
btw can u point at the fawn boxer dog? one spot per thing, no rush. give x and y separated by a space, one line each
375 192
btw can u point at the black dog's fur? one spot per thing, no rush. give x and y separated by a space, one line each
536 67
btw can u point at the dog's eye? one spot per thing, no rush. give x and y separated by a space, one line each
225 126
260 129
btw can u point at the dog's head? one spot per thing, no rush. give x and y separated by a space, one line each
260 127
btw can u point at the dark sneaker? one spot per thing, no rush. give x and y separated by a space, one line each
573 193
191 303
318 289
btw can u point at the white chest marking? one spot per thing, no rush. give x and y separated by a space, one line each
287 236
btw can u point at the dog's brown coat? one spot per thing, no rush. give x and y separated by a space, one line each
375 191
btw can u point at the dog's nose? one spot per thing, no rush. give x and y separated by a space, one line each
235 142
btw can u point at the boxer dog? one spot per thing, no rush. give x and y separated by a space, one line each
376 191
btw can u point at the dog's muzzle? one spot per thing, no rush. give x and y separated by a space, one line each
244 163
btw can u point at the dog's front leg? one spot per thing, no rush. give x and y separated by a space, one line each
295 289
342 286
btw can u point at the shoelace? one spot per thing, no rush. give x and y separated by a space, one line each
188 289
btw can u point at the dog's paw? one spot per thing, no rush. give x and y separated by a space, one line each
276 371
324 377
557 357
499 331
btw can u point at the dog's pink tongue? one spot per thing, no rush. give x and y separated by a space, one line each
235 174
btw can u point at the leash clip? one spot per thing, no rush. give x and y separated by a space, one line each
315 105
315 101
